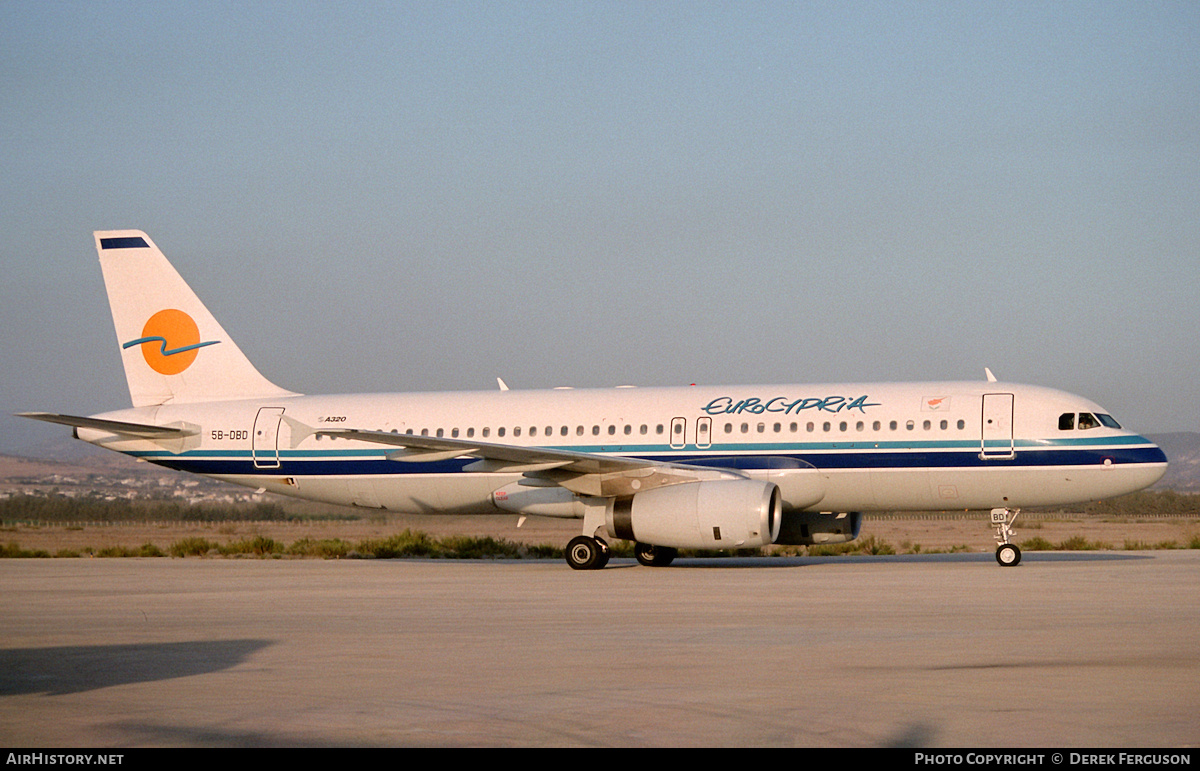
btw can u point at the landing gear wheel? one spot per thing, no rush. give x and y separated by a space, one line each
654 556
586 553
1008 555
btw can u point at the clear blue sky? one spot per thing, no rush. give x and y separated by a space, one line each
417 196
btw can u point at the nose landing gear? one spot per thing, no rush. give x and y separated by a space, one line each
1007 553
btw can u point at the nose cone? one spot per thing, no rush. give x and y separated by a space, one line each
1149 467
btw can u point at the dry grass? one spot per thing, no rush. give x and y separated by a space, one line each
903 535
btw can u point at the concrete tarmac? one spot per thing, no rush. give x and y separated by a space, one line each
1094 649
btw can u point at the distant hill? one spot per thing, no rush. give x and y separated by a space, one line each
88 471
1183 455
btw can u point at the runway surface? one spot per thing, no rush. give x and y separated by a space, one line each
1094 649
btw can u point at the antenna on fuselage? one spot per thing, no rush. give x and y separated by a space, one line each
502 384
990 377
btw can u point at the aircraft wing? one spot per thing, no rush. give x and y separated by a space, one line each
138 430
580 472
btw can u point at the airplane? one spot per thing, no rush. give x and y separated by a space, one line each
668 468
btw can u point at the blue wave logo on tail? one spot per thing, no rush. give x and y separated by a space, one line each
167 351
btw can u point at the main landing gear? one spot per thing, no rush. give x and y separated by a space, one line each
1007 553
587 553
654 556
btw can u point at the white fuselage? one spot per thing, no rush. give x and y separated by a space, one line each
829 447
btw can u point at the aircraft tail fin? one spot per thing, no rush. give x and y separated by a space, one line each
173 350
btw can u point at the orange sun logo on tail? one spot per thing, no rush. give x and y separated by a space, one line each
170 342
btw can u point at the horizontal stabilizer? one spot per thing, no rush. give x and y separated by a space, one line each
139 430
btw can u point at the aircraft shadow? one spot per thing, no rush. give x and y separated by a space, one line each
759 563
78 668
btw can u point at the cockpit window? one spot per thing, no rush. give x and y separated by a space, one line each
1066 421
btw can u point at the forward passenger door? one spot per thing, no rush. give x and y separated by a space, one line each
997 439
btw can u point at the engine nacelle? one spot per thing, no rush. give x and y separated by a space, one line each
709 514
802 528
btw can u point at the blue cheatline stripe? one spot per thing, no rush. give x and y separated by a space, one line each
353 462
124 242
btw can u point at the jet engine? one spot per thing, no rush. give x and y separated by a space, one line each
708 514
